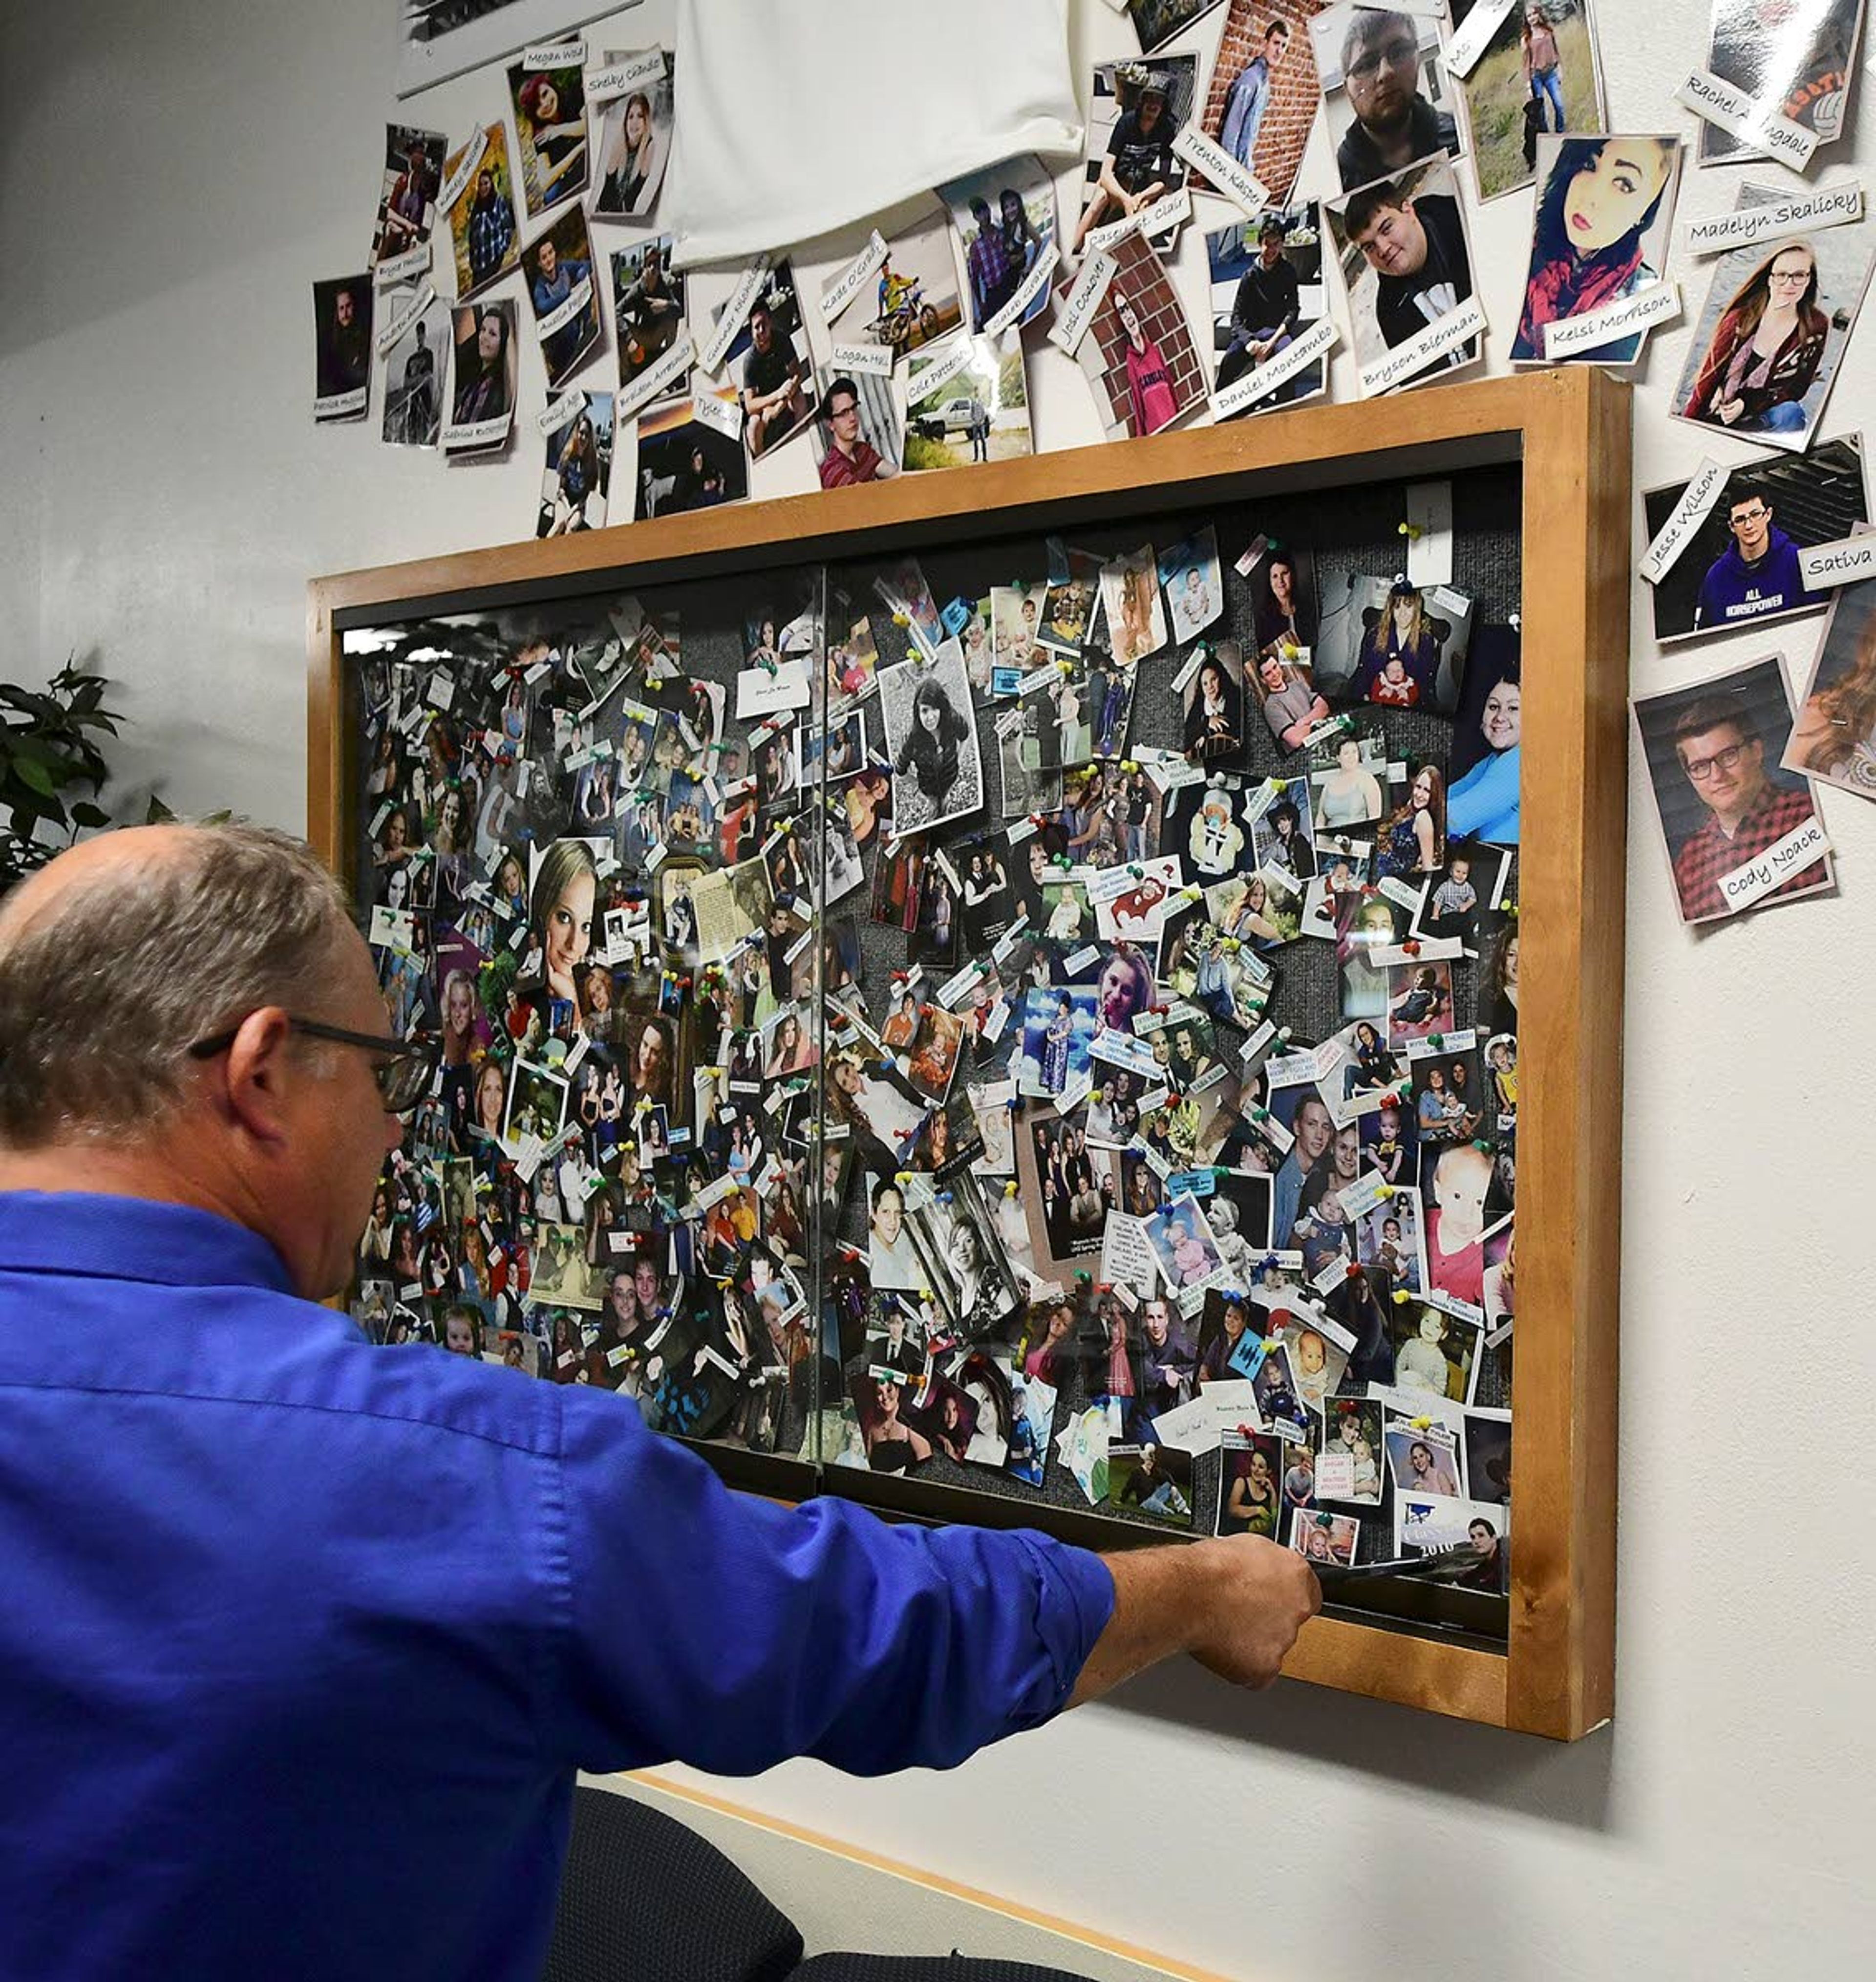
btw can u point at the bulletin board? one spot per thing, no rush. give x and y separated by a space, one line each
764 1112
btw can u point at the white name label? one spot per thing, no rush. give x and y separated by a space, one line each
1408 360
1469 40
875 359
341 406
852 278
1032 287
400 268
476 433
1078 312
940 372
1800 848
465 166
560 413
1689 513
665 376
1594 329
1317 342
1237 183
563 314
1839 563
723 416
555 54
1760 125
1751 224
1170 210
619 78
405 317
723 334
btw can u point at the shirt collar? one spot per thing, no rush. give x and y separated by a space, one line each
100 1237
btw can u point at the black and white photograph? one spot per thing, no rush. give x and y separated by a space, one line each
931 726
634 138
414 368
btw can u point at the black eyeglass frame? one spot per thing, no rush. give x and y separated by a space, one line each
408 1064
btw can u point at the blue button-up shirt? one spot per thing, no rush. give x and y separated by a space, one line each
301 1640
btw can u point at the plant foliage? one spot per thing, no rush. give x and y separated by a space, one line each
50 751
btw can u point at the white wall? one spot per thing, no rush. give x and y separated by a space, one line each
174 178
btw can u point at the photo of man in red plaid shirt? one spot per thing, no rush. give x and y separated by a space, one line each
1723 757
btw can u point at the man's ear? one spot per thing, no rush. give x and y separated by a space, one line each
257 1074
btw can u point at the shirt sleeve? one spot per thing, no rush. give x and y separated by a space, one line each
728 1632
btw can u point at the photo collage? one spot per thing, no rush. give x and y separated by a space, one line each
1008 1018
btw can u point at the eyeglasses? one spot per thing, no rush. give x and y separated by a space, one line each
403 1075
1791 275
1701 769
1747 517
1395 54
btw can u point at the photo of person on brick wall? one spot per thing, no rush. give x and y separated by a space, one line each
1263 95
1138 352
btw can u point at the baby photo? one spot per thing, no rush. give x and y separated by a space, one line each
1423 1459
1194 584
1348 1462
1318 1535
1457 1181
1434 1352
1183 1244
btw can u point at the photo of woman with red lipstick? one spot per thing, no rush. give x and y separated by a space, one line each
1601 236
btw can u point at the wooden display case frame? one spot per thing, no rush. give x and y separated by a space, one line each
1570 431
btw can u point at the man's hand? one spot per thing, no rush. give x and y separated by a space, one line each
1264 1597
1236 1603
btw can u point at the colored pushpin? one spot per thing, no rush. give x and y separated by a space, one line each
1354 1272
1437 1041
1400 1296
1009 1189
1081 1279
1412 530
1411 946
1423 1424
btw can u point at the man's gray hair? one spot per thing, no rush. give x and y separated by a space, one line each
103 992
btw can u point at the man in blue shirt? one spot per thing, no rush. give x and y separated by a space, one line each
303 1638
1757 573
